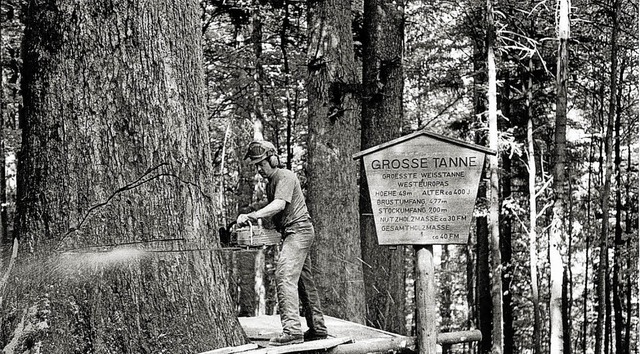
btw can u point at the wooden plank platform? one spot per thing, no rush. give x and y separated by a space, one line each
260 329
344 338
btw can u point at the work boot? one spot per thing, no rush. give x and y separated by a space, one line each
285 339
310 335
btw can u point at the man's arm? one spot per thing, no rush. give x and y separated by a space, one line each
271 209
253 207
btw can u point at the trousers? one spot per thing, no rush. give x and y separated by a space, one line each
294 281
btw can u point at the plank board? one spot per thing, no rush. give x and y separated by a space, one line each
322 344
232 350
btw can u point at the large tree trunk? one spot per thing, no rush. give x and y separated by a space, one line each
558 231
334 109
382 114
115 210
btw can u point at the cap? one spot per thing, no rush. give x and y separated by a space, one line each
259 150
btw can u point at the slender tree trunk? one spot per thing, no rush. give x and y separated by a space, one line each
284 44
4 234
587 262
482 303
247 126
533 216
620 259
505 228
566 324
334 111
10 103
222 201
567 280
257 114
608 340
257 117
606 190
382 113
470 251
557 244
494 202
630 206
116 212
483 286
601 142
533 243
243 128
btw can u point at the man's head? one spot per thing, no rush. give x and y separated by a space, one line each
263 154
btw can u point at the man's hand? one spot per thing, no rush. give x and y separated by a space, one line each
243 219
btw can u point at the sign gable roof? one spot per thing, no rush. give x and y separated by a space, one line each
419 133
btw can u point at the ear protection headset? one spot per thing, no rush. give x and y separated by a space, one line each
274 161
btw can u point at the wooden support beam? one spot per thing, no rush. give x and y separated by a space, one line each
459 337
425 300
403 344
377 345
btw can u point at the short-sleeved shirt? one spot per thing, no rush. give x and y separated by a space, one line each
284 184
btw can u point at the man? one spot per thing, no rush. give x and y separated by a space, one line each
294 280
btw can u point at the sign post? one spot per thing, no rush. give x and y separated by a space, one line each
425 300
423 189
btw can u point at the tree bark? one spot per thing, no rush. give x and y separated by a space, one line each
115 199
334 110
382 112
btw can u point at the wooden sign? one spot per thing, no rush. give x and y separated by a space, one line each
423 188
